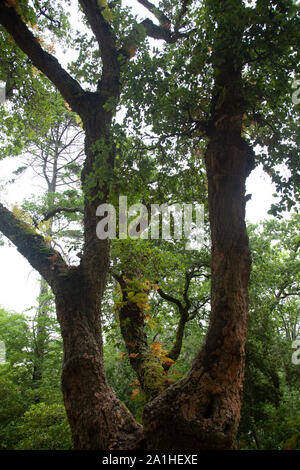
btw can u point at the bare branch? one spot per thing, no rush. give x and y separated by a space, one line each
170 298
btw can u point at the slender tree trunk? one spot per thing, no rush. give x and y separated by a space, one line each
40 340
148 368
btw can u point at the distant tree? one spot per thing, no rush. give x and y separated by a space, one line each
271 387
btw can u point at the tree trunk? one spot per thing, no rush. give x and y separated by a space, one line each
40 339
202 410
97 418
148 368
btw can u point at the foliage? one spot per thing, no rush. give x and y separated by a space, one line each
271 386
45 427
18 390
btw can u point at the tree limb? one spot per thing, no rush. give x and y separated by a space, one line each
58 210
175 351
164 21
163 31
170 298
45 62
184 317
47 261
106 40
158 32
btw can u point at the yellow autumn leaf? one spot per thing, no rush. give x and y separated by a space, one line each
121 355
157 349
135 392
151 322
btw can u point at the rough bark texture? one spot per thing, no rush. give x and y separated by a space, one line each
147 366
202 410
97 418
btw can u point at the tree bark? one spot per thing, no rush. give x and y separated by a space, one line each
97 418
148 368
202 410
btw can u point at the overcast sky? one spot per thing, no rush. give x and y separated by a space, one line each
19 281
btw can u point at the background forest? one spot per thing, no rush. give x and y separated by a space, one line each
158 134
32 411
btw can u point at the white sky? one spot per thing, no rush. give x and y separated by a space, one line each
19 282
19 286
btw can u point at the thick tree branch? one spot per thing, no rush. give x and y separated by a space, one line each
174 353
163 31
162 18
45 62
170 298
59 210
100 24
159 32
32 246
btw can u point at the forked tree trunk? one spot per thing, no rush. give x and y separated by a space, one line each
202 410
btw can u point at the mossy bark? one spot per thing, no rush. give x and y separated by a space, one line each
149 370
